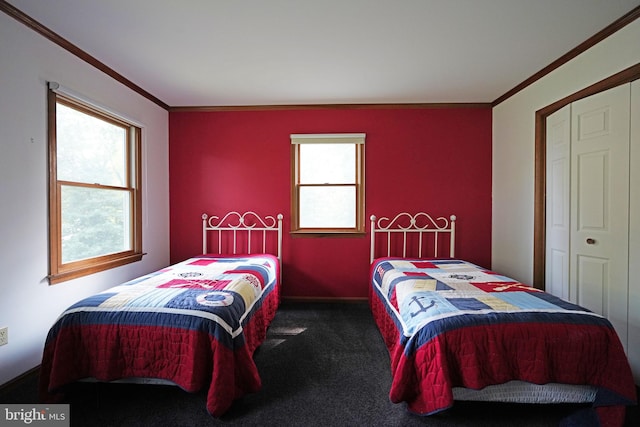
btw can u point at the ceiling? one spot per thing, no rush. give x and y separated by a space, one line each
301 52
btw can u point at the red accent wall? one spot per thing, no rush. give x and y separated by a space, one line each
432 160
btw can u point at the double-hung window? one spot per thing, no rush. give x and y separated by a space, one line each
327 183
94 189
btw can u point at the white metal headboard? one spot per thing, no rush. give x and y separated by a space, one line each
235 224
430 226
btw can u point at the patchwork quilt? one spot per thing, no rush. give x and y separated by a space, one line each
195 323
449 323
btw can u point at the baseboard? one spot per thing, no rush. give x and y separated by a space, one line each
17 381
325 299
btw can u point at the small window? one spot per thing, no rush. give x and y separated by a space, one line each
94 189
327 183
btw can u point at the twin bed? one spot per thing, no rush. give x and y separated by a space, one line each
454 330
194 324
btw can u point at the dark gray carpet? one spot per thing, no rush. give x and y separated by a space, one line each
323 364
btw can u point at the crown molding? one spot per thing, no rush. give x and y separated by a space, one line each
75 50
582 47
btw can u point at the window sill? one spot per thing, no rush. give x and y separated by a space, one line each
319 233
93 268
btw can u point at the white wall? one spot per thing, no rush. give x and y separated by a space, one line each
28 304
513 145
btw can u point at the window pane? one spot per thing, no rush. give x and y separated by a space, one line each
95 222
90 150
328 207
327 164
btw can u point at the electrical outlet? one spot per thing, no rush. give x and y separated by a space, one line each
4 335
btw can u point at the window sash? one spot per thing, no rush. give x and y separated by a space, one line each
300 223
62 268
77 231
314 161
328 206
84 166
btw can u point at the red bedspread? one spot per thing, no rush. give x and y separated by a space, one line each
558 343
196 324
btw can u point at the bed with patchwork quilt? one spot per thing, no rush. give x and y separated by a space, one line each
194 324
457 331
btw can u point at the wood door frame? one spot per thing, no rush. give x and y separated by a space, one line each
540 180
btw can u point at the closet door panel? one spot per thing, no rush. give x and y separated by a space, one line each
593 276
558 158
593 171
599 237
634 235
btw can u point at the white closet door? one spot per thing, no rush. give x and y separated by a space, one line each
633 352
599 265
558 175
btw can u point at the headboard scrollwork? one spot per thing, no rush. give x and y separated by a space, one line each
236 224
406 224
